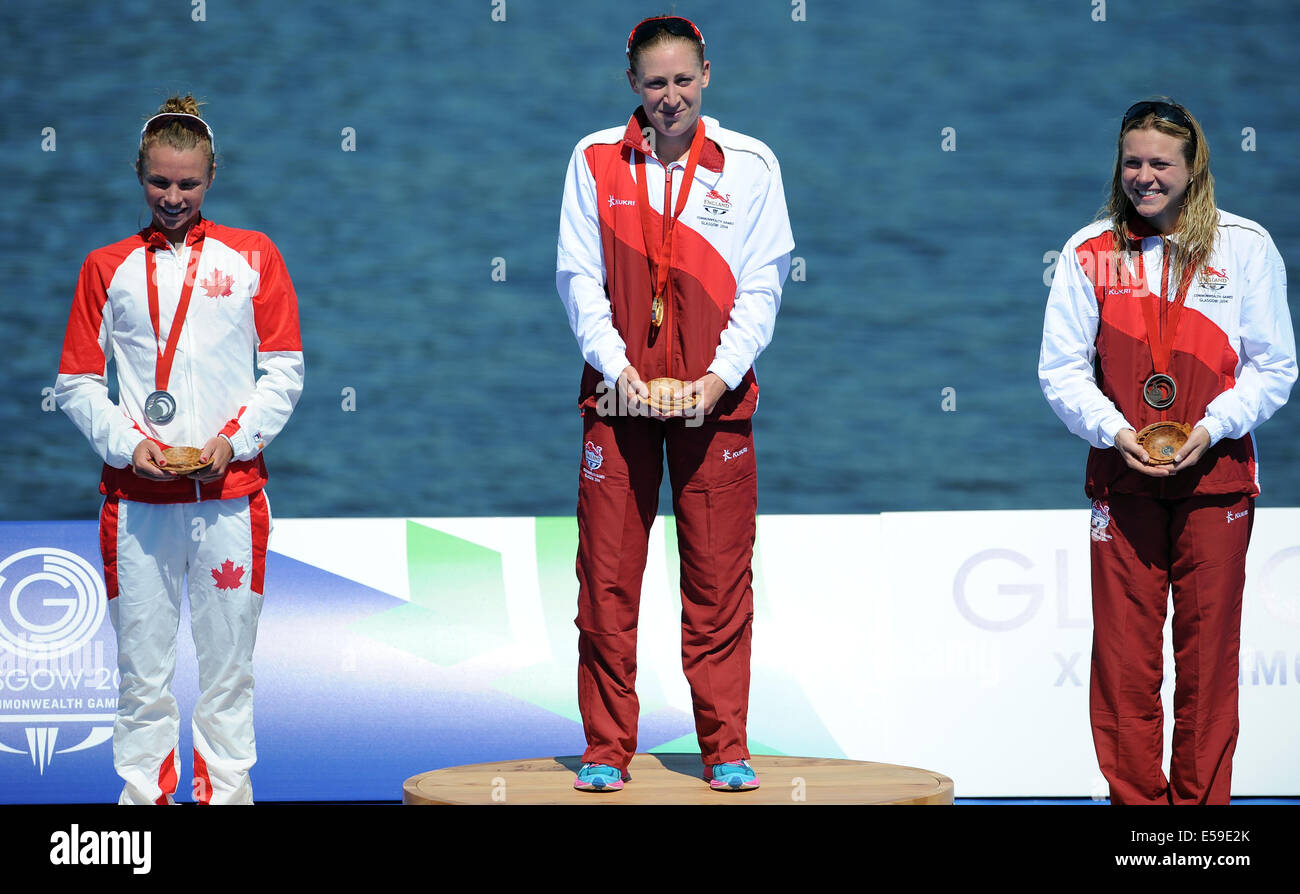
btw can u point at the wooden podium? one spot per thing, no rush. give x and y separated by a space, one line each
678 779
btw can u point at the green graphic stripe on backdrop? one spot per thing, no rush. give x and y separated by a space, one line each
458 600
458 611
553 685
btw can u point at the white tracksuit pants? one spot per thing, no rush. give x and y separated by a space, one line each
150 551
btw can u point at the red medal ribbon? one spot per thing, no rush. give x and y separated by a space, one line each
163 370
661 258
1161 341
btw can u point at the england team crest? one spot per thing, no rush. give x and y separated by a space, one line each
1100 521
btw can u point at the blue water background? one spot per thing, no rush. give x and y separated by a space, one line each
924 268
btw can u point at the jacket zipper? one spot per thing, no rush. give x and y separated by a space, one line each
1164 305
189 367
181 260
668 304
1164 317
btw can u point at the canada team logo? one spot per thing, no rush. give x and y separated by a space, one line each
1213 278
228 575
54 678
217 285
593 456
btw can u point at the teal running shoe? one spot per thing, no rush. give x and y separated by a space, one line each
599 778
735 776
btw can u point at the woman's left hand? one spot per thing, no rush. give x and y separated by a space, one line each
218 449
710 388
1186 457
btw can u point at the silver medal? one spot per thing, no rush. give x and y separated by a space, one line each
160 407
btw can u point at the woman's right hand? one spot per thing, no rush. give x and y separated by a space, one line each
1135 455
633 391
147 462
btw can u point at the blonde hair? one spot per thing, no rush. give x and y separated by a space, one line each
1198 217
179 133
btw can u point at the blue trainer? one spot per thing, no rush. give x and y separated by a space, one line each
736 776
599 778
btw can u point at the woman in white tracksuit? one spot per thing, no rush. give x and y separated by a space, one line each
186 308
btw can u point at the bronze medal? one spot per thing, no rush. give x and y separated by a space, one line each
1159 391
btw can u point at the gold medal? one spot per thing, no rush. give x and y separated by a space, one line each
657 312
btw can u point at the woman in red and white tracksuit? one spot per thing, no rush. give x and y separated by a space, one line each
674 245
1167 309
186 308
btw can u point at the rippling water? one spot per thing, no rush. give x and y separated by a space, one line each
924 268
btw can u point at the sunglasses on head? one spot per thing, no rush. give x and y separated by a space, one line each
674 25
1165 111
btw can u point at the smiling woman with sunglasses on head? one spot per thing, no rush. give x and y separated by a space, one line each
674 245
1166 342
186 308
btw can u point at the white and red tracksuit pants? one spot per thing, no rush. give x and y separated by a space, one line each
712 472
1197 547
150 551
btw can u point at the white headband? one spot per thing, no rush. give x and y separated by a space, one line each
145 129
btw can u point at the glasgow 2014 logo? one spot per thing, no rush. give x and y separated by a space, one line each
53 676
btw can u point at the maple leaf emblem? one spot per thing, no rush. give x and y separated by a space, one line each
228 576
216 285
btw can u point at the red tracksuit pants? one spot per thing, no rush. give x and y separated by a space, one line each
712 473
1197 547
